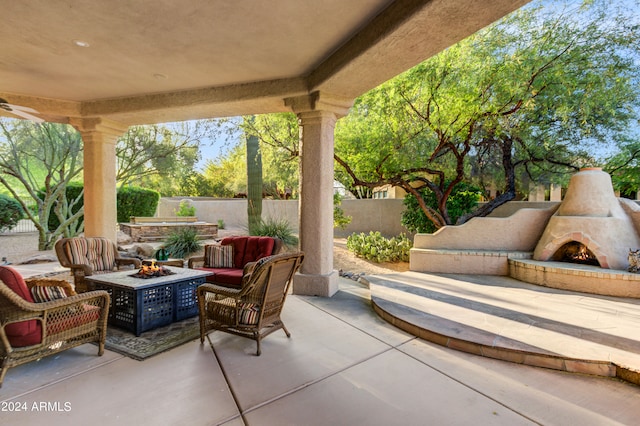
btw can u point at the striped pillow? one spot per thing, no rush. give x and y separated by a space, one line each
218 256
248 313
47 293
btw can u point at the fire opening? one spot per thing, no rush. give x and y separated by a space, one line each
575 252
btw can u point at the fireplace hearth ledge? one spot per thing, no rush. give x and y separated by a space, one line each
576 277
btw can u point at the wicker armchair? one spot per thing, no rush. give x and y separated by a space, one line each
87 256
254 310
30 330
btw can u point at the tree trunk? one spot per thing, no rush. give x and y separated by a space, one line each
510 185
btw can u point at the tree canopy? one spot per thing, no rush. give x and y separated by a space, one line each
532 95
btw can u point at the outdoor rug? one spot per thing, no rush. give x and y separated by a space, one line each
152 342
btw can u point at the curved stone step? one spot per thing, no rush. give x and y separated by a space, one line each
502 318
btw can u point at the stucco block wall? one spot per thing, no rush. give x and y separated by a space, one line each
367 215
232 211
382 215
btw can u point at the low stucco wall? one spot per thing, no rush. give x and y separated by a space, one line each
518 232
367 215
511 207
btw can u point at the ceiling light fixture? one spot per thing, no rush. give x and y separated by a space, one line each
81 43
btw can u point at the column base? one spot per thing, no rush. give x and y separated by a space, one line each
315 285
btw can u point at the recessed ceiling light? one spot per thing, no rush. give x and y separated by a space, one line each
80 43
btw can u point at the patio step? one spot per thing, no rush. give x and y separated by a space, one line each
499 317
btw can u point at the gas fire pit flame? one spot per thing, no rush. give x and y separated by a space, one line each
151 270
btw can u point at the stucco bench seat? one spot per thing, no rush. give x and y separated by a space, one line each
246 251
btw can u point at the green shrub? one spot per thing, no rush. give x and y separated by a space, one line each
185 209
182 243
130 201
373 246
135 201
278 229
340 220
463 199
10 212
220 224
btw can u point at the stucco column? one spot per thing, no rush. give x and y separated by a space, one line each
100 137
317 115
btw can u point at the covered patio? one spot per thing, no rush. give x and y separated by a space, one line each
104 66
342 365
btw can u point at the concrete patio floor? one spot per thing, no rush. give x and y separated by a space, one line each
342 366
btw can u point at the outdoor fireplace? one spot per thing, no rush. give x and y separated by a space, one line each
590 226
575 252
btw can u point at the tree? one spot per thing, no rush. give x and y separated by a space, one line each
516 96
45 157
624 168
227 176
162 157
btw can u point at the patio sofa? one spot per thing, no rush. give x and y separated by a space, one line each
230 259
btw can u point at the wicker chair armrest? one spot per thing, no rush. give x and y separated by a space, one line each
216 289
28 310
66 302
128 261
248 268
192 261
85 269
49 282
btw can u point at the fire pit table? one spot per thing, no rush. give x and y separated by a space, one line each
141 304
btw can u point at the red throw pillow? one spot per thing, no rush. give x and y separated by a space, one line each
24 333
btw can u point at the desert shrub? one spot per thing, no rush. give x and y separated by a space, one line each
135 201
278 229
182 242
10 212
185 209
463 199
373 246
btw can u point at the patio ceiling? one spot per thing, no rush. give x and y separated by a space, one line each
150 61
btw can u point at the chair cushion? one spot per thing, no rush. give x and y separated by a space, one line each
230 276
95 252
219 256
43 293
249 249
224 311
24 333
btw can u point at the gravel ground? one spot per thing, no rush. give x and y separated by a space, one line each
19 248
